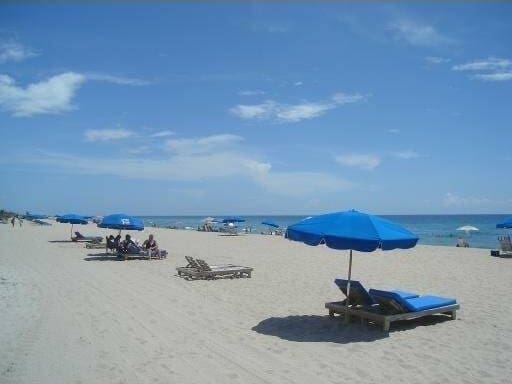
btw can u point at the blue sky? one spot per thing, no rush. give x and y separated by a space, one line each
256 108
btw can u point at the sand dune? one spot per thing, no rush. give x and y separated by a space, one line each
69 315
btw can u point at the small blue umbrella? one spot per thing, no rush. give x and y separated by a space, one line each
351 230
505 224
72 218
233 219
270 223
121 221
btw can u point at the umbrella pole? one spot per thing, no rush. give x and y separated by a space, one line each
71 230
347 317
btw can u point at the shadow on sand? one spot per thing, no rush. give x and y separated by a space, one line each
61 241
314 328
110 257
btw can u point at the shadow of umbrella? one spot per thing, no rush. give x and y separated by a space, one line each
314 328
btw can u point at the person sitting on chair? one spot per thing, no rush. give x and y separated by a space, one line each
462 243
151 246
128 245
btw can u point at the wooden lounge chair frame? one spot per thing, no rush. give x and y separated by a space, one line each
377 314
200 269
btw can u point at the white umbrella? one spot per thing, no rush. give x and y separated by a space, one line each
468 229
208 219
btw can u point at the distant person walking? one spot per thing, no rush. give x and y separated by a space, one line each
20 220
13 220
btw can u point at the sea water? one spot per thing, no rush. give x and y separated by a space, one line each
431 229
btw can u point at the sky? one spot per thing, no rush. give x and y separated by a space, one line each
256 108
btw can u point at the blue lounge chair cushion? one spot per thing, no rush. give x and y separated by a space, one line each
358 294
405 294
414 304
423 303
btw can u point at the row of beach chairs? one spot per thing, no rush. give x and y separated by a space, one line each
200 269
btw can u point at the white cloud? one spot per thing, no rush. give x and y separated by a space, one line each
304 111
107 134
418 34
499 76
358 160
298 83
292 113
116 79
13 51
208 144
50 96
165 133
489 64
406 155
490 69
251 93
453 200
195 160
53 95
437 60
393 130
256 111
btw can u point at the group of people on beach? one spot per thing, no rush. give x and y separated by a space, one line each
13 220
129 246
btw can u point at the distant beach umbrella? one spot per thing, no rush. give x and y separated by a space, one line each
270 223
468 229
351 230
208 219
121 221
72 218
233 219
505 224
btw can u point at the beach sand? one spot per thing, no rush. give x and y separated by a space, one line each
68 315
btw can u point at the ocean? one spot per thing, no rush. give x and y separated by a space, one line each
431 229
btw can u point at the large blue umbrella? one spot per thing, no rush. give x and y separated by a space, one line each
233 219
352 230
505 224
121 221
72 218
270 223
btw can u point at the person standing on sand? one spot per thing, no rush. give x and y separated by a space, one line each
20 221
13 220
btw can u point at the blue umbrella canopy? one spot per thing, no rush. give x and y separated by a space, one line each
233 219
505 224
72 218
121 221
270 223
352 230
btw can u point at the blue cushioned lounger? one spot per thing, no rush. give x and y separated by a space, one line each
384 307
411 304
358 294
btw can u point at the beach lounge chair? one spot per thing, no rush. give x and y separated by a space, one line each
384 307
200 269
141 253
92 239
505 247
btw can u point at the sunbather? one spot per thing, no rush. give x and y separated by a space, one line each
128 246
151 246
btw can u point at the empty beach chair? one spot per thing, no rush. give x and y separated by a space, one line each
505 247
384 307
92 239
200 269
